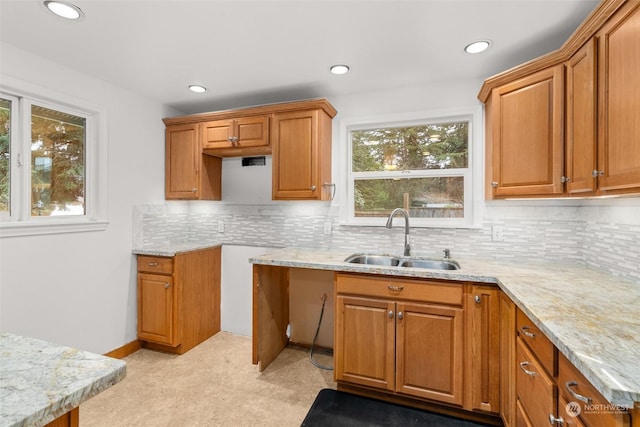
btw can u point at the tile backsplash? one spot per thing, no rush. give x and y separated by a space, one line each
604 237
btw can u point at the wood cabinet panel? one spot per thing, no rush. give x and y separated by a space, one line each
386 287
535 389
240 136
507 360
619 92
217 134
430 367
537 341
528 135
570 381
301 144
365 337
189 175
155 264
157 309
482 367
581 127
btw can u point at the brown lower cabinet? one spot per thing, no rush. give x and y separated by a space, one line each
549 389
178 299
422 339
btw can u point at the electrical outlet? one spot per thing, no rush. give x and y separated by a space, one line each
497 233
220 226
327 228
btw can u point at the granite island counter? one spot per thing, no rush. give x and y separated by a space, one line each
592 317
41 381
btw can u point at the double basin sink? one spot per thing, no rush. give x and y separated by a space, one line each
394 261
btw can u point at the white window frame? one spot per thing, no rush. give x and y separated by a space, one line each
472 174
20 222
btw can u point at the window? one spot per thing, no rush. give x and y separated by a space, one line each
51 174
422 165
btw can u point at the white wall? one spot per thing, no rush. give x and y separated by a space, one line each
79 289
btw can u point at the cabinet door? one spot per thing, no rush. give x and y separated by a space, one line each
527 135
619 92
364 342
301 144
252 131
217 134
582 132
429 347
507 360
482 382
156 309
182 152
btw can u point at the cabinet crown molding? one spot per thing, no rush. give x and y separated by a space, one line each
309 104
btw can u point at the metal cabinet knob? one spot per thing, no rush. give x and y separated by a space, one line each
390 314
477 299
194 189
167 285
313 188
494 184
553 420
400 315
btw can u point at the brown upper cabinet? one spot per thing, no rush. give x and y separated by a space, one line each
566 124
232 137
190 175
297 133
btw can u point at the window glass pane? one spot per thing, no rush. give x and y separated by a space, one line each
5 150
57 163
436 146
437 197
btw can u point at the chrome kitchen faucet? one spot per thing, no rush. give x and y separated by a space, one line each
403 212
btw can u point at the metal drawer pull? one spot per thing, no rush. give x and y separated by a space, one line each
525 330
575 395
153 264
394 288
553 420
525 370
390 314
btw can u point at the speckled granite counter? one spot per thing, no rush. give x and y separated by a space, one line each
592 317
171 249
40 381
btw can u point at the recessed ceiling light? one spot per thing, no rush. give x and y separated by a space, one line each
64 9
477 46
197 88
339 69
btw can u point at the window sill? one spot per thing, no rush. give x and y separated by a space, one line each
35 228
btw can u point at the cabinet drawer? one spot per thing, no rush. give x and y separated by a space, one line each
386 287
598 412
535 389
539 344
154 264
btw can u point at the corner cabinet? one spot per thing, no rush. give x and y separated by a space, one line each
190 175
178 299
531 108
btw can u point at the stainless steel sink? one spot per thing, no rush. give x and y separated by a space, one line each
434 264
392 261
373 259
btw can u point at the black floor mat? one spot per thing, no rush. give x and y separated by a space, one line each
335 409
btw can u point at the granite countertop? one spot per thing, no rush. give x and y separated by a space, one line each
40 381
173 248
592 317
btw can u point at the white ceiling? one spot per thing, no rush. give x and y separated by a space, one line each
256 52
